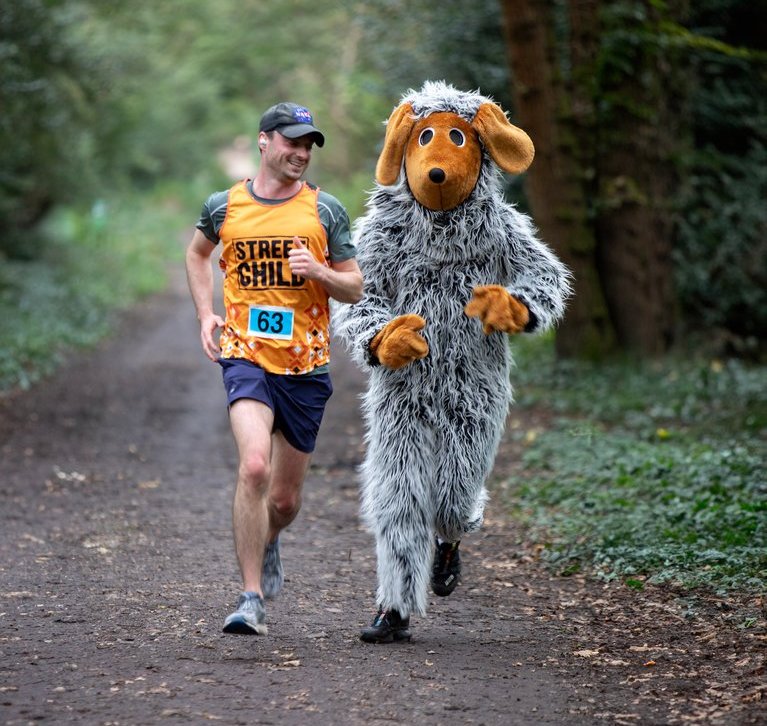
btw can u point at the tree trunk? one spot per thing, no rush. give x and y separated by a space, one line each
556 182
599 106
640 126
634 254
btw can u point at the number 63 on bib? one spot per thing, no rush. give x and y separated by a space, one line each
266 321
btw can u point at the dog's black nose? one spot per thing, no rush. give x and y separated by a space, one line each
437 175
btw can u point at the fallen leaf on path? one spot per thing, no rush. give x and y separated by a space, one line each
32 538
75 476
161 689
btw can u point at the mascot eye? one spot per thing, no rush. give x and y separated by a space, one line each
426 136
457 137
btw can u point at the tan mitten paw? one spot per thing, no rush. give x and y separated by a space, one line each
497 309
399 342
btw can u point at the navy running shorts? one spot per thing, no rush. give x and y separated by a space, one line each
298 402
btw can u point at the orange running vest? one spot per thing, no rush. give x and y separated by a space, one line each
276 319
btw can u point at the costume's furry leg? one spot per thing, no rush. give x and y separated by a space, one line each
468 448
396 496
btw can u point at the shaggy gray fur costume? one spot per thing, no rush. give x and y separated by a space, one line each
433 426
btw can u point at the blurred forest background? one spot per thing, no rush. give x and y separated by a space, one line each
649 119
650 124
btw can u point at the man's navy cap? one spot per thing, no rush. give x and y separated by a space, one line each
292 121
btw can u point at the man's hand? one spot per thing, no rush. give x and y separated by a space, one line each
399 342
497 309
302 262
208 326
341 280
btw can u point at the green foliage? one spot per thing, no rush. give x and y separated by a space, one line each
408 43
47 91
720 255
102 98
652 471
99 95
702 396
191 76
669 118
710 62
673 512
172 101
95 263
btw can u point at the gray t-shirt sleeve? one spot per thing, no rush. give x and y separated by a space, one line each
335 220
212 215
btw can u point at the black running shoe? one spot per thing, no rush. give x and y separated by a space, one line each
387 626
446 569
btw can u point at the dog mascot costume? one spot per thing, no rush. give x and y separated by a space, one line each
450 269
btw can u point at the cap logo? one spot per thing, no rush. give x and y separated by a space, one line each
302 115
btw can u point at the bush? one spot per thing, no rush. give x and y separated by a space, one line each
693 514
651 471
720 254
47 91
95 263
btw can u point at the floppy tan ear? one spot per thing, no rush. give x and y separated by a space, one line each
509 146
398 129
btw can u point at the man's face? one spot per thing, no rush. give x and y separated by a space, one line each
287 159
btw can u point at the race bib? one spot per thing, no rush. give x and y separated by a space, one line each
266 321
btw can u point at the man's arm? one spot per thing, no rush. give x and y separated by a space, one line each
200 277
343 280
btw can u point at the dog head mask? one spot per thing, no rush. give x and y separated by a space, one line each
442 145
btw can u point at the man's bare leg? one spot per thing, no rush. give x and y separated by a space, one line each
269 483
252 428
289 466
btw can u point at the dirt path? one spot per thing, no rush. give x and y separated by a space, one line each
116 570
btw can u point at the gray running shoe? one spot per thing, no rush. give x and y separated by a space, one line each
272 576
249 617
